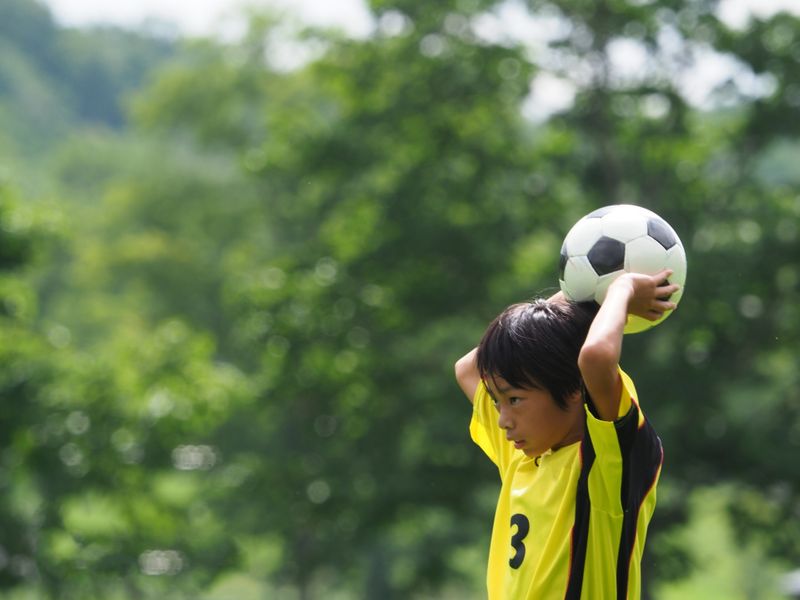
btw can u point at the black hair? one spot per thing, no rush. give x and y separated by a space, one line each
536 344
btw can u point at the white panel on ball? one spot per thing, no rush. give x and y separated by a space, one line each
625 224
676 260
645 255
582 279
603 282
582 236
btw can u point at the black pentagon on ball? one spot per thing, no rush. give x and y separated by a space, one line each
661 232
607 255
562 261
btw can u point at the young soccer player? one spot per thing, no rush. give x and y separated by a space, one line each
578 461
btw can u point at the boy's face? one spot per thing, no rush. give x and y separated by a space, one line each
531 418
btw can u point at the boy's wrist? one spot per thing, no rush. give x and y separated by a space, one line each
622 285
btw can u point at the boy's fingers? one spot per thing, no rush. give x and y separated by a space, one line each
663 276
669 289
664 305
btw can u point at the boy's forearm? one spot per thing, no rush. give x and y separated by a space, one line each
608 326
599 357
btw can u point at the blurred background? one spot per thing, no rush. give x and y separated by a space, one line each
241 248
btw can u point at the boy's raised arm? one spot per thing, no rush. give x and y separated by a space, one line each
631 293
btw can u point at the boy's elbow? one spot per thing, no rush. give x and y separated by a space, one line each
464 366
466 371
596 357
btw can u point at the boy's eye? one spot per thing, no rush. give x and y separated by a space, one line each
514 400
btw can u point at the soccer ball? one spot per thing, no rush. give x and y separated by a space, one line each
613 240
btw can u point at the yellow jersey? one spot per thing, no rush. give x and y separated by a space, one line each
571 524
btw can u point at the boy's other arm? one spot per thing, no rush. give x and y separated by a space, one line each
631 293
467 373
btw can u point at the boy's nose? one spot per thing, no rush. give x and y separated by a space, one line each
504 418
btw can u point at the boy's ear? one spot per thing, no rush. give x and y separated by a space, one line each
575 399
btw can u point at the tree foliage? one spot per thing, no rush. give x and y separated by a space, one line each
228 355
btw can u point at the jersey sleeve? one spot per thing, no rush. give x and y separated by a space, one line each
485 431
626 454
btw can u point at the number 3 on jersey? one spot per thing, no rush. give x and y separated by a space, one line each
523 527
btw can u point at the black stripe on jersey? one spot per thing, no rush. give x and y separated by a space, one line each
580 528
642 456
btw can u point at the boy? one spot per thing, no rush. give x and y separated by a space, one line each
578 461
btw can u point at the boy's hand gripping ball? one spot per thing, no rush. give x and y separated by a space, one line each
614 240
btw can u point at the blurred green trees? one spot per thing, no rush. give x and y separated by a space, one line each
230 312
